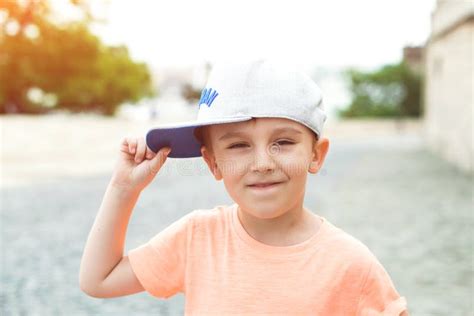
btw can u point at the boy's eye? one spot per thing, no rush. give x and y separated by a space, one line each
281 143
237 145
284 142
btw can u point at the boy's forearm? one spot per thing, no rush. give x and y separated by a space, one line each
105 243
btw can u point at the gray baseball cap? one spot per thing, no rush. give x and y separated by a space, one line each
240 91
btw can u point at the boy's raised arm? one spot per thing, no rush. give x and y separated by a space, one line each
104 247
104 271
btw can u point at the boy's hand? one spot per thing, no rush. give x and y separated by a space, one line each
137 164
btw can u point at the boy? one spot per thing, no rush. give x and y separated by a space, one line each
259 130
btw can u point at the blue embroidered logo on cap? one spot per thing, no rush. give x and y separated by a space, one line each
207 96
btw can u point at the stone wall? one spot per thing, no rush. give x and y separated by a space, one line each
449 86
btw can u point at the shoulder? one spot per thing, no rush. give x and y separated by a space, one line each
212 218
201 217
348 249
359 269
198 222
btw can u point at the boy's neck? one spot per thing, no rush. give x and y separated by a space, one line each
294 226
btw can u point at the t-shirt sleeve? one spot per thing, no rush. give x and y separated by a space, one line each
379 296
160 263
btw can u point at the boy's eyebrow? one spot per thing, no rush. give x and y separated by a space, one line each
275 131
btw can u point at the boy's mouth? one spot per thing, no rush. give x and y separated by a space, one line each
264 184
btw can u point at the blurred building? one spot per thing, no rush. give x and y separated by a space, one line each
449 84
169 105
413 56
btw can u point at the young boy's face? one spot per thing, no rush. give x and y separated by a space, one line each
264 150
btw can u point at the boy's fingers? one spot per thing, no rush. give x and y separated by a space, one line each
149 153
124 145
128 145
140 151
132 144
159 159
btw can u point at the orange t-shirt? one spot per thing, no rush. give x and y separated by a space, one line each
222 270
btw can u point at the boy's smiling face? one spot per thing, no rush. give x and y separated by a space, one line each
252 154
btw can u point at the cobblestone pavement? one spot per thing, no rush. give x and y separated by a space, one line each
408 206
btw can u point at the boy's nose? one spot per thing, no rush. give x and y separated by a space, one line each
264 158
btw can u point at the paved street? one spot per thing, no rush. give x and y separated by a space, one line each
408 206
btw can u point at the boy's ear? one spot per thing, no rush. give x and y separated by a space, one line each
320 150
210 160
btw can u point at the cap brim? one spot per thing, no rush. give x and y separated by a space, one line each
180 136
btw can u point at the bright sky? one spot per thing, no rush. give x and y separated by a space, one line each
336 33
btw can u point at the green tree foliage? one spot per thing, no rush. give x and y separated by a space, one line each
393 90
65 64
